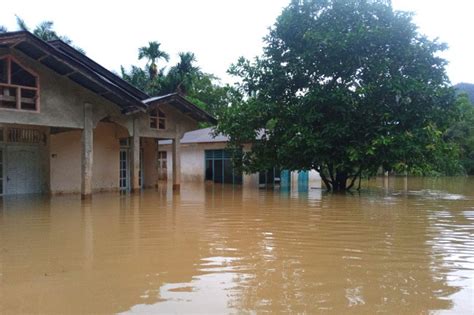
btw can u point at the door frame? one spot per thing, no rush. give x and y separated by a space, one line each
2 169
5 147
127 169
162 171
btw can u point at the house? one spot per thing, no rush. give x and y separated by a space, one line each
68 125
204 158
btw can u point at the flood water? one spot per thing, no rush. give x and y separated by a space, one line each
400 247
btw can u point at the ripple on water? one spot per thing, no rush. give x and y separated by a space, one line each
213 249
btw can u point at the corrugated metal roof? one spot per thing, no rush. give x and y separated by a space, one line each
204 135
182 104
67 62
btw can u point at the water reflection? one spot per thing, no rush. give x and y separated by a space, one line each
402 246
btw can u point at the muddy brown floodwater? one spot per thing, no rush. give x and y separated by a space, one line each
400 247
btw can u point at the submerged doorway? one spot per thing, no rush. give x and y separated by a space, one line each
124 170
22 172
124 163
21 155
162 165
269 178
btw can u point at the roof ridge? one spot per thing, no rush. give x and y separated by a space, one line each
76 54
122 97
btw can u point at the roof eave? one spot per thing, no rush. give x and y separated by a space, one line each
198 114
14 39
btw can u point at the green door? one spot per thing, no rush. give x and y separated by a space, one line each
22 170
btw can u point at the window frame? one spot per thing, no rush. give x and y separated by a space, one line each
156 115
19 88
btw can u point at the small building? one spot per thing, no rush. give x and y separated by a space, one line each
204 158
68 125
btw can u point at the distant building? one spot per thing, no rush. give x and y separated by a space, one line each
68 125
204 158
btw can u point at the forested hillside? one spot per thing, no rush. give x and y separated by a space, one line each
466 88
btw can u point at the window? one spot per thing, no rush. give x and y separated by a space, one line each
24 135
157 119
219 168
18 86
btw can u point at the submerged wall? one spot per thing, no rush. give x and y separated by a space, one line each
65 149
193 162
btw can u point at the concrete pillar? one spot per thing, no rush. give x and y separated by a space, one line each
157 168
135 158
87 153
176 148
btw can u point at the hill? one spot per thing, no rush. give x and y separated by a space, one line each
466 88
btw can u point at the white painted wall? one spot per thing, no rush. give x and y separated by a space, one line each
193 165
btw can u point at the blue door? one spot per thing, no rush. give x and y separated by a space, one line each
285 180
303 181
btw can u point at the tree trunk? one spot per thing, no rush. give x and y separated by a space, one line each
334 180
340 182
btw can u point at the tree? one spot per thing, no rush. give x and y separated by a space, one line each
153 53
45 31
467 88
137 77
3 29
185 77
182 76
462 132
343 87
209 94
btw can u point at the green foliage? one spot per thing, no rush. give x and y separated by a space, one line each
153 53
462 132
45 31
467 88
344 87
3 29
186 78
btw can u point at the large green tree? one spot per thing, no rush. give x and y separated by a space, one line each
462 132
343 87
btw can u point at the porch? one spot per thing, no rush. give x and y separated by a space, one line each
56 160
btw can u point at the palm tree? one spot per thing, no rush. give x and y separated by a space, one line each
152 53
21 24
45 31
185 72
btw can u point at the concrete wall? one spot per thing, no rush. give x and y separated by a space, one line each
149 162
62 106
193 165
65 166
193 162
176 124
61 100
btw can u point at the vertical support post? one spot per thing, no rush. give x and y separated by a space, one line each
135 158
157 162
176 164
87 153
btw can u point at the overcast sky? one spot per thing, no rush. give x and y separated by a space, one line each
217 31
